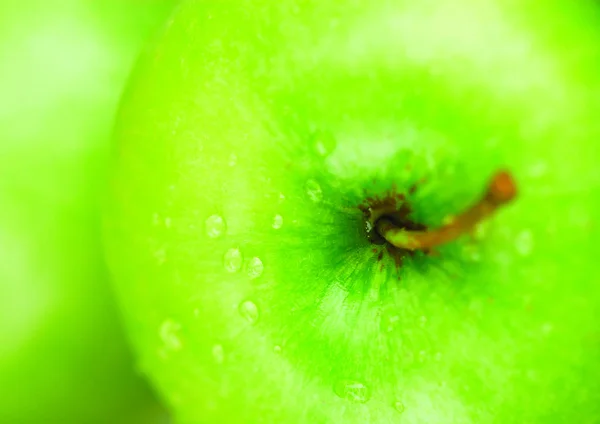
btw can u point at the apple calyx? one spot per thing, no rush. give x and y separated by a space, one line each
501 190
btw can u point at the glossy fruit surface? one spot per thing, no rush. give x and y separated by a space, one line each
251 143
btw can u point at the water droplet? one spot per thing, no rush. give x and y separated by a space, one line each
538 169
281 197
215 226
277 221
255 268
233 260
168 333
324 143
547 328
249 311
352 390
399 406
218 353
314 191
233 159
161 256
472 252
480 231
389 322
448 219
277 349
524 243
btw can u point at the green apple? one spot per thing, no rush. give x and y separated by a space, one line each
63 356
258 141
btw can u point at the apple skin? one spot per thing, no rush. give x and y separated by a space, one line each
256 130
63 354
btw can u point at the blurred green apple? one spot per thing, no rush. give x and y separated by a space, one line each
254 147
63 358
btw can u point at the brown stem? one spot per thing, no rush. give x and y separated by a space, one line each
501 190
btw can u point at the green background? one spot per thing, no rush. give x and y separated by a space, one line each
63 355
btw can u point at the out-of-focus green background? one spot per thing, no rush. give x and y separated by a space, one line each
63 66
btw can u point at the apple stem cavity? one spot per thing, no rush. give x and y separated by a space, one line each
501 190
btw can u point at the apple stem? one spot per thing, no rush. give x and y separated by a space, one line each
501 190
